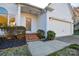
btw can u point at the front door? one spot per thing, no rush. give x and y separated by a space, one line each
28 25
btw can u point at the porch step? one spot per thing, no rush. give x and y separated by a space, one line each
32 37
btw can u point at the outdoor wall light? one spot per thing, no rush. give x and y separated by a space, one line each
50 19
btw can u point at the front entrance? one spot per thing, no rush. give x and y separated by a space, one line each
30 36
28 25
30 22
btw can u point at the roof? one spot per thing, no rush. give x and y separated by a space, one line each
29 5
30 8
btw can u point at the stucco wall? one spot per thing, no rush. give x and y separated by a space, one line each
62 12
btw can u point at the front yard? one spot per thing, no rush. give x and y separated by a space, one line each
72 50
58 47
16 51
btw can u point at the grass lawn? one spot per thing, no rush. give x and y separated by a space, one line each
71 50
16 51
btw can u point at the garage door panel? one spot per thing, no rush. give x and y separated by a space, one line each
61 28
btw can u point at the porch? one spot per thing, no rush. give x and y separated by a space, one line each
31 18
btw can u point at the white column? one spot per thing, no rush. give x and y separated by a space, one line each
19 15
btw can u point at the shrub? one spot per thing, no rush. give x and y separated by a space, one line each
76 32
16 29
11 31
20 30
50 35
41 33
1 40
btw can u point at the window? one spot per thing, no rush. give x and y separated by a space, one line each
28 24
3 11
3 16
12 22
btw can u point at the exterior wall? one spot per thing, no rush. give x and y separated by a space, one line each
42 21
62 12
12 10
33 24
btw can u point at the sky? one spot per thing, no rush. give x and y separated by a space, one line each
44 3
39 3
75 4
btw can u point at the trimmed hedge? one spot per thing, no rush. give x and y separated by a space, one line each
76 32
41 34
50 35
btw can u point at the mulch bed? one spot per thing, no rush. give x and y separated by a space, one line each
12 43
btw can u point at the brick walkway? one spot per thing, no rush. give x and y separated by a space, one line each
32 37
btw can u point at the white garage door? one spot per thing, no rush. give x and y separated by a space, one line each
61 28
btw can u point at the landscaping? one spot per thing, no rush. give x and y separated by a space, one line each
16 51
13 41
72 50
41 34
12 36
76 32
50 35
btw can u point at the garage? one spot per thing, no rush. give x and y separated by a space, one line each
61 28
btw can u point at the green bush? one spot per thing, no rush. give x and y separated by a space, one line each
14 29
76 32
41 33
50 35
11 32
20 30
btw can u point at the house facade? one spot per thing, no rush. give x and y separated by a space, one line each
56 17
76 17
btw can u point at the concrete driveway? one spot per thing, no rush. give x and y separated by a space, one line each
74 39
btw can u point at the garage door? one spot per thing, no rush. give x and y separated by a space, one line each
61 28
